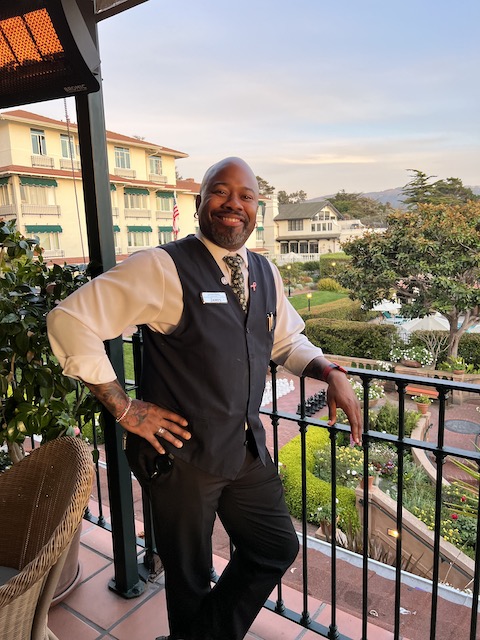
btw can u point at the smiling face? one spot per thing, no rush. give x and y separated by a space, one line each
227 204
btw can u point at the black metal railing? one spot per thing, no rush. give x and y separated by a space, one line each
438 451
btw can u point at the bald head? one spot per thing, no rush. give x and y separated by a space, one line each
228 202
222 164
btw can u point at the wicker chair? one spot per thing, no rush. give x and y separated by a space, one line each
42 502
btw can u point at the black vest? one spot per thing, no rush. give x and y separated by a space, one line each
212 368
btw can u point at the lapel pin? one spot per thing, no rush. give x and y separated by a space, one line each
253 286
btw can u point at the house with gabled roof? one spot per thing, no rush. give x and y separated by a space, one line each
305 230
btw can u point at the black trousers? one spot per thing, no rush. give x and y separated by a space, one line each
185 501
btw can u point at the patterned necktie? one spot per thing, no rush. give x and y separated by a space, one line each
237 280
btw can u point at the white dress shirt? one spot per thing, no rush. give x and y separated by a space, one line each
145 289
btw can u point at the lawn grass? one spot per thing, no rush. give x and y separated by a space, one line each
318 297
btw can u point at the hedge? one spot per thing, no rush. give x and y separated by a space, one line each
318 491
351 339
343 309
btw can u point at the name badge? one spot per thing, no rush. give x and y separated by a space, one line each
214 297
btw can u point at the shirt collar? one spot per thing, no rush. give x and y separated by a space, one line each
219 252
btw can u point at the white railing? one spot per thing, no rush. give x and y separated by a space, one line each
115 212
41 209
8 210
54 253
156 177
67 164
43 161
286 258
137 213
125 173
134 249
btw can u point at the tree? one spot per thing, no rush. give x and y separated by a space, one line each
264 187
429 258
291 198
356 205
420 191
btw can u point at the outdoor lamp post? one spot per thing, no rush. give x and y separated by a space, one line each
289 266
309 297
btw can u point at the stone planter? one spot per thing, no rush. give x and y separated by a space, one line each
414 364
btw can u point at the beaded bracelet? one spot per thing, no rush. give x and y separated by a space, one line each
125 411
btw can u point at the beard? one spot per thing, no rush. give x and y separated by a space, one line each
228 239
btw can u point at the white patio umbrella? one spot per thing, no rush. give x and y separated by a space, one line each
435 322
387 305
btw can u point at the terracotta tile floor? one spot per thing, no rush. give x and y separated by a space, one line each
92 611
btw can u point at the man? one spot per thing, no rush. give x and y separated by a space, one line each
195 442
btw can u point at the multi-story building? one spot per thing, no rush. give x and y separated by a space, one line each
41 187
305 230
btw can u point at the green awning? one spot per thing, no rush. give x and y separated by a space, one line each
135 191
165 228
112 187
43 228
165 194
259 228
38 182
261 203
116 227
4 180
140 228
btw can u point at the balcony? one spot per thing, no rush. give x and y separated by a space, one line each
137 213
43 161
158 178
41 209
8 212
54 253
67 164
125 173
329 592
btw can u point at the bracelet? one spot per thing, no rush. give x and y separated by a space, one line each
329 368
125 411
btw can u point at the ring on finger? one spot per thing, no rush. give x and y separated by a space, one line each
161 431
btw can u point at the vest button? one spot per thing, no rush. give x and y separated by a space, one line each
247 330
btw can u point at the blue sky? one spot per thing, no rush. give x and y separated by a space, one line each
315 95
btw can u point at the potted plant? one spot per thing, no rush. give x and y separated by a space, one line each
422 402
36 399
412 356
455 364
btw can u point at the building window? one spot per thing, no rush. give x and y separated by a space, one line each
49 241
313 247
135 201
122 158
39 144
138 238
37 195
313 228
303 247
260 235
164 202
4 195
165 236
155 165
295 225
294 247
68 146
284 248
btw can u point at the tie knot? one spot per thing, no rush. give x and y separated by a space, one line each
234 262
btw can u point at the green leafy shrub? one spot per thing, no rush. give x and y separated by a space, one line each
386 419
329 284
352 339
318 491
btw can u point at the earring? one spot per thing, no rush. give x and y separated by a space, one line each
195 215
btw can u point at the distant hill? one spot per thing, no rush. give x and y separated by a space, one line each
393 196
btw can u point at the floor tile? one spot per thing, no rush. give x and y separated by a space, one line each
147 622
96 602
65 624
